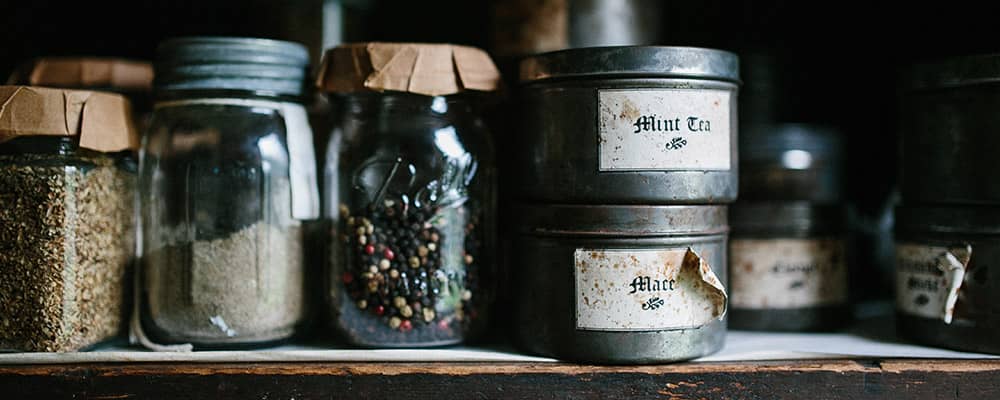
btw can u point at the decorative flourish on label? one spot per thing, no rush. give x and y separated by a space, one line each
676 143
652 303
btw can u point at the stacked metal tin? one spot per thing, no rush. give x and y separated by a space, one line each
626 161
948 229
788 267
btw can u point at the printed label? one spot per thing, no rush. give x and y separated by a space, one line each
645 290
928 279
664 129
787 273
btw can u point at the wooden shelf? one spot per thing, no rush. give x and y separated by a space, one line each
809 379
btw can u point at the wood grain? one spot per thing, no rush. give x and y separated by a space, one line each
827 379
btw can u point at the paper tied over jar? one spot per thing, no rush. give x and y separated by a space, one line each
425 69
86 72
646 290
929 279
103 121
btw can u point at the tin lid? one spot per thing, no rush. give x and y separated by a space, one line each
773 141
619 220
789 217
113 74
103 121
632 62
262 65
953 72
948 219
419 68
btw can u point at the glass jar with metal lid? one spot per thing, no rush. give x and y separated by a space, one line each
411 193
227 176
628 125
67 226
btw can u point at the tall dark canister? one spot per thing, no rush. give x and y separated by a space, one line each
950 132
788 262
628 125
620 284
947 288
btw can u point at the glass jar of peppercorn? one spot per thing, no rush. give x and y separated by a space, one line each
410 189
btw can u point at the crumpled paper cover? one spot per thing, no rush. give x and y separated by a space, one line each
426 69
103 121
86 72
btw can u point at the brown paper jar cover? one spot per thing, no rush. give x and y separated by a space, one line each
103 121
426 69
114 74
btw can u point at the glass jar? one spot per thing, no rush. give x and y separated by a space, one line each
227 175
412 196
66 226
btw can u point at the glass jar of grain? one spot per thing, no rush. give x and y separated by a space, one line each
67 187
227 176
410 190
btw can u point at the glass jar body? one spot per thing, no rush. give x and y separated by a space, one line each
67 232
411 194
221 220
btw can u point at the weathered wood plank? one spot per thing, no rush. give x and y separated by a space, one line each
834 379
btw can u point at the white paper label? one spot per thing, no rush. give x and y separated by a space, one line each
787 273
928 279
645 290
664 129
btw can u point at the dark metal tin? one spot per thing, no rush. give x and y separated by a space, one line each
542 273
558 147
791 162
950 131
976 318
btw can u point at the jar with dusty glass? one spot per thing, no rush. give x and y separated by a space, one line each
227 176
67 227
410 190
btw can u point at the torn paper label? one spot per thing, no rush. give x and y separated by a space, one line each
645 290
928 279
787 273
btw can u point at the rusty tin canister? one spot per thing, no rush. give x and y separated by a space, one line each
946 294
620 284
951 131
788 267
628 125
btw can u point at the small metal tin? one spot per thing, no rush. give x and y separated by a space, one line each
619 284
791 162
628 125
950 132
946 294
788 267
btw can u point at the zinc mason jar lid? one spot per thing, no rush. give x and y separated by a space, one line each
620 220
99 121
231 63
632 62
418 68
953 72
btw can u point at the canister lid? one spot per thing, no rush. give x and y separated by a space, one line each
620 220
102 121
633 62
953 72
749 218
230 63
948 219
426 69
113 74
772 141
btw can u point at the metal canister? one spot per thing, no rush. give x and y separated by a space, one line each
946 293
791 162
620 284
950 132
629 125
788 267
